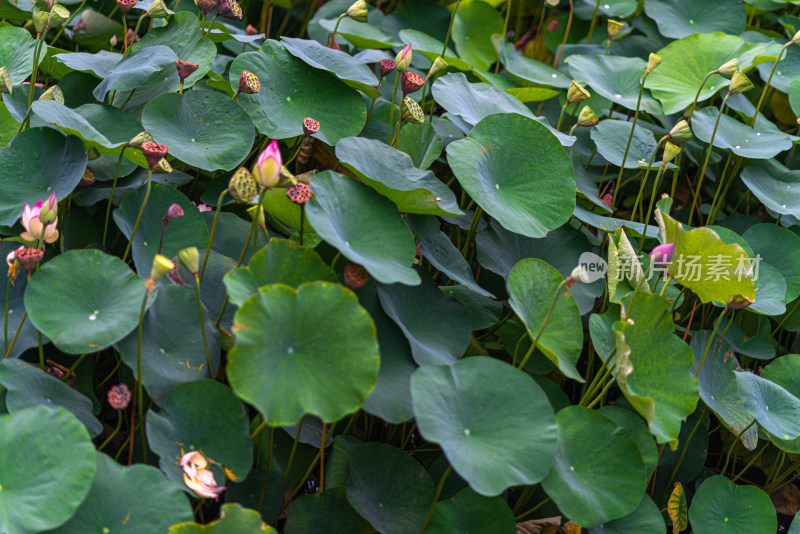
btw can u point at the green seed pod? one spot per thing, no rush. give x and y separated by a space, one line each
242 186
740 83
411 112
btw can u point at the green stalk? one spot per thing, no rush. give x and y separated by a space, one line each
592 24
702 173
547 320
333 34
141 211
733 445
139 373
211 235
472 228
203 328
764 89
391 109
269 466
16 334
686 447
114 433
644 180
111 198
135 33
72 16
438 492
5 320
561 115
630 138
650 205
505 36
710 339
697 96
716 206
294 449
450 27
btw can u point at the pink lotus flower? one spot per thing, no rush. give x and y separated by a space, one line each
198 477
267 170
35 229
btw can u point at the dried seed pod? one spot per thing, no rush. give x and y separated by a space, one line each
310 126
29 258
230 9
88 178
125 6
386 67
249 83
300 193
411 82
154 153
185 68
355 276
119 396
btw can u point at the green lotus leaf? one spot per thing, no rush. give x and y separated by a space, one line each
306 350
787 71
102 127
614 77
29 176
722 507
774 185
431 48
16 52
135 69
278 109
100 64
470 512
389 488
645 518
392 173
653 367
98 296
233 519
781 249
687 61
342 209
204 416
737 137
39 493
342 65
492 421
611 137
679 18
588 491
720 271
27 386
172 343
473 27
532 286
326 512
773 406
517 172
421 142
718 389
527 71
637 428
117 501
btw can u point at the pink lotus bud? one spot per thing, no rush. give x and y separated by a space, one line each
49 210
251 30
662 254
403 59
267 169
174 212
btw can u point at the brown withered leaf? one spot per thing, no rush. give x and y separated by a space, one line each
548 525
786 499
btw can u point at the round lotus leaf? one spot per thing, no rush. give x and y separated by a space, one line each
233 519
687 61
774 185
492 421
16 52
38 162
781 249
784 372
365 226
172 343
771 291
722 507
98 300
280 262
27 385
291 90
614 77
679 18
42 481
473 513
611 137
135 69
473 28
204 416
526 71
306 350
131 499
637 428
646 518
738 137
776 409
205 129
532 286
327 512
105 128
594 480
389 488
517 171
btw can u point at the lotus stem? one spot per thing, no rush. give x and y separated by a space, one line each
547 320
135 33
702 173
111 198
333 33
450 27
592 24
294 449
141 211
139 374
5 317
203 327
14 339
391 109
766 85
499 50
211 235
710 339
64 25
646 219
438 492
269 466
630 138
114 433
697 96
644 180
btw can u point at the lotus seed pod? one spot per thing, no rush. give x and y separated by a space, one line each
299 193
681 133
161 266
358 11
728 68
190 259
614 27
740 83
796 38
207 6
738 302
125 6
40 20
230 9
249 83
29 258
653 61
438 66
355 276
185 68
58 16
119 396
153 153
386 67
88 178
411 112
411 82
157 10
174 212
403 59
242 186
310 126
576 93
251 30
163 166
587 117
671 151
5 81
53 92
